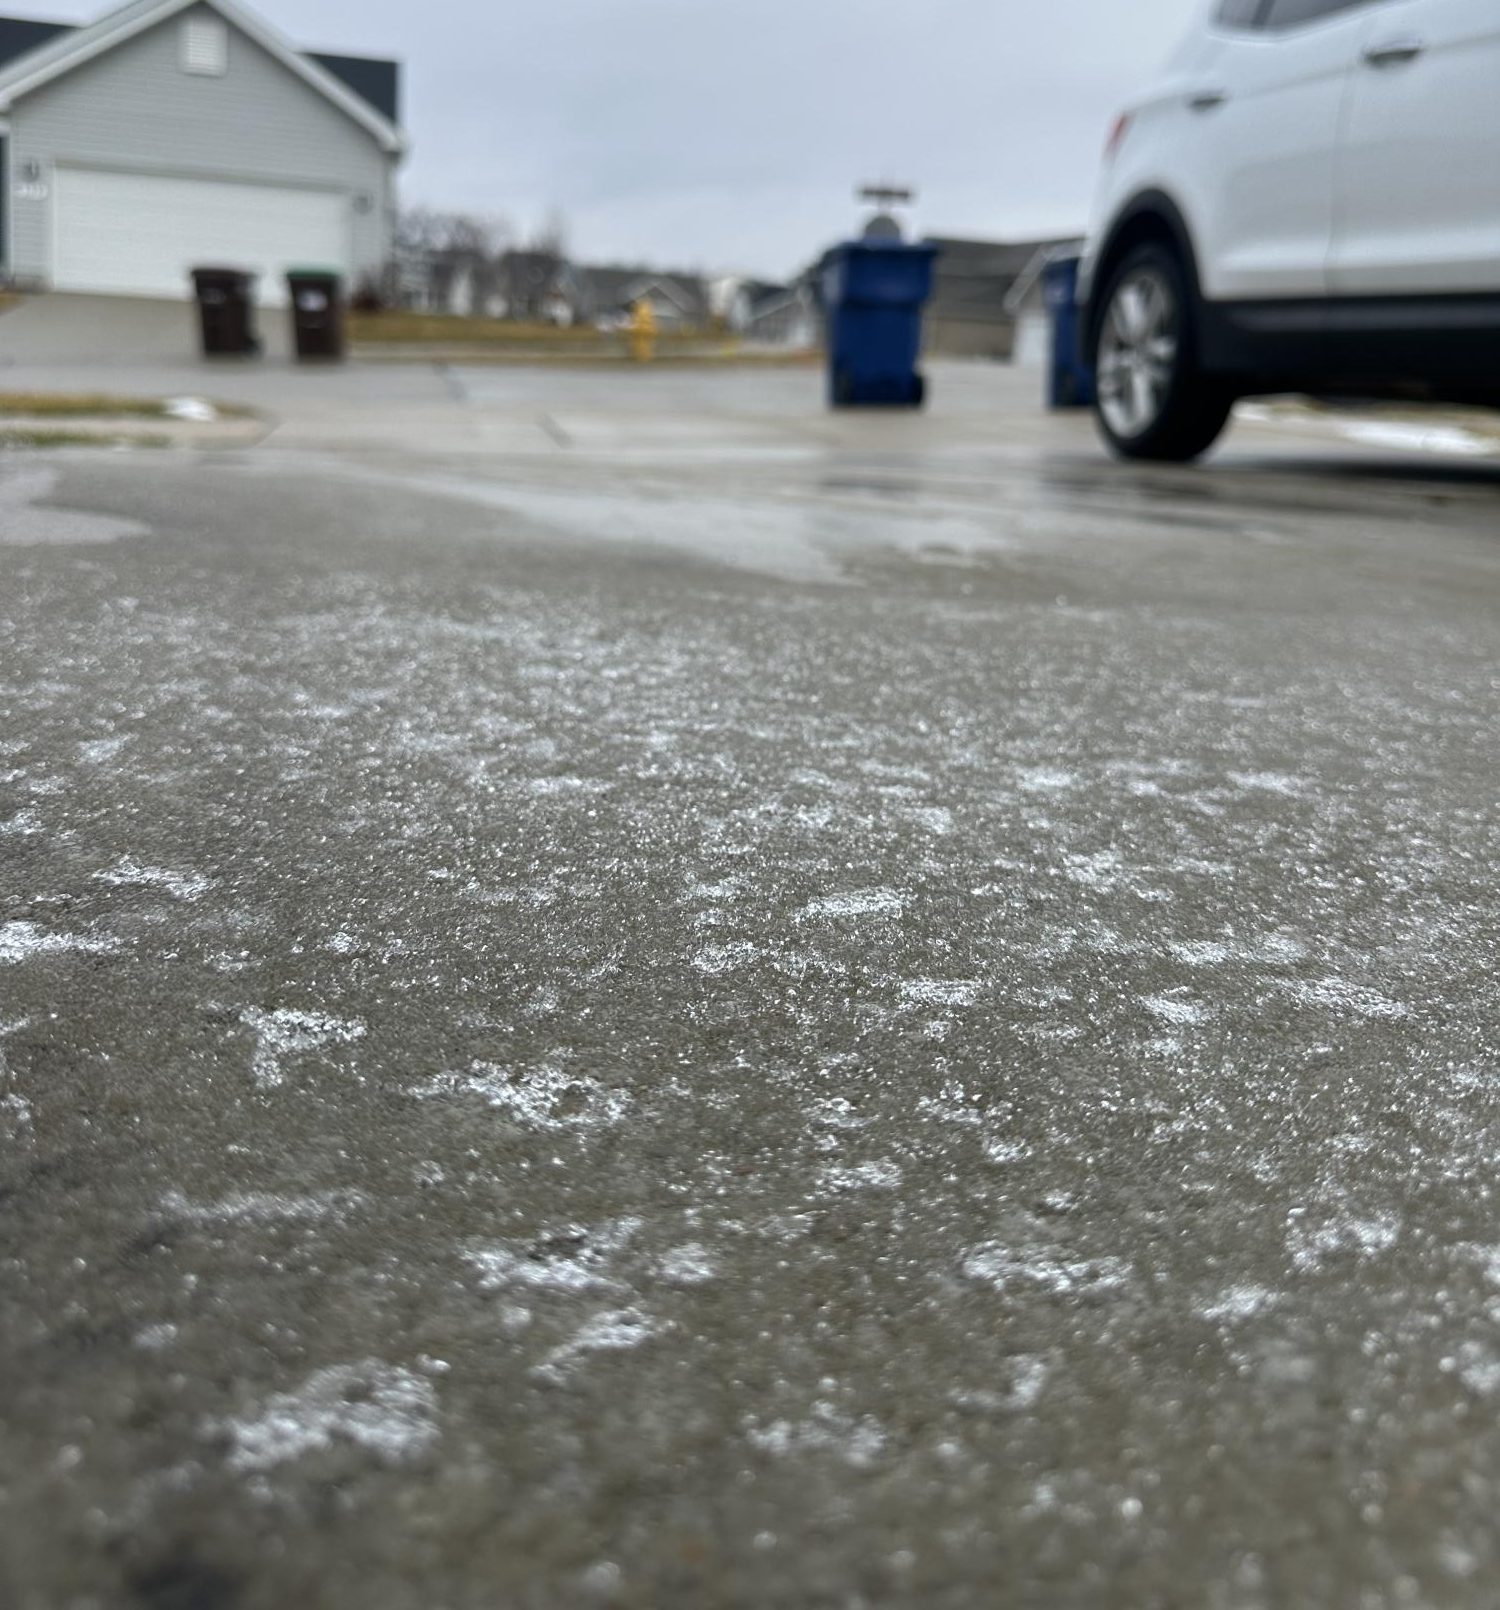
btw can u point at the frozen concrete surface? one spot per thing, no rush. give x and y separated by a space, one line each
66 329
649 998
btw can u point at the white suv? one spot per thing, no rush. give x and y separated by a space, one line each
1308 200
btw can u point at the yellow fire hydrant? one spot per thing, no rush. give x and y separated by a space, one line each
643 331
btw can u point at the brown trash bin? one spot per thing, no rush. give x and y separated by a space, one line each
226 312
317 297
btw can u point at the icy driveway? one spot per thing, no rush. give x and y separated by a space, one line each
537 1072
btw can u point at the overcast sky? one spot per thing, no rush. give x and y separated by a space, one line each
705 134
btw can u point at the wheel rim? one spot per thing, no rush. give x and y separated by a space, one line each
1137 353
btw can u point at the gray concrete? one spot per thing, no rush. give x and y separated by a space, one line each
50 337
617 992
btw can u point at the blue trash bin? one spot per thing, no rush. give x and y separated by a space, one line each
1071 382
874 293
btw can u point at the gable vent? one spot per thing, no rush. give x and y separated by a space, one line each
205 44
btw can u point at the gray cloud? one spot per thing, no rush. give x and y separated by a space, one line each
714 135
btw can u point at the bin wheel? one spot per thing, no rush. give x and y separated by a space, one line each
843 388
919 391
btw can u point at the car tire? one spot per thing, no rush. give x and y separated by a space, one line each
1153 400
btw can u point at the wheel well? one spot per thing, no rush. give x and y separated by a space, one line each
1151 220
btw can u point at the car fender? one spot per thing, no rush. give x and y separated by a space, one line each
1152 207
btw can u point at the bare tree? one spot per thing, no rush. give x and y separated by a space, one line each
453 255
533 275
552 237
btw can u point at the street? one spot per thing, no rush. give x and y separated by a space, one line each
617 991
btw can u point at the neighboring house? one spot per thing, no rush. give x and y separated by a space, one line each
969 315
179 133
736 301
537 286
730 298
1026 303
606 296
786 316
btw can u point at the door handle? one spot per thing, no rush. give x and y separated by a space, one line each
1394 52
1208 100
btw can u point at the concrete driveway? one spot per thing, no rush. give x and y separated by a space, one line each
64 331
615 991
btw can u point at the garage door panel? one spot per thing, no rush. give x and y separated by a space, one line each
142 234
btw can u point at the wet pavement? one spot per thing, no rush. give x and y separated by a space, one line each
651 999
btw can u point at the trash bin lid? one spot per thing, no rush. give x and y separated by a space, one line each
908 249
314 273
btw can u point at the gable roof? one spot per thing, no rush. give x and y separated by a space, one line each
1028 278
372 78
62 51
974 278
610 288
18 35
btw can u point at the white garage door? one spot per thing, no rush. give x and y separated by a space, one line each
140 235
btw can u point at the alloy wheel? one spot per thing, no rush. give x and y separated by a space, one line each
1138 350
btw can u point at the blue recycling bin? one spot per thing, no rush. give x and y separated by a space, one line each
874 293
1071 380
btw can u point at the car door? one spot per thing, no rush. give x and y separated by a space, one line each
1267 103
1419 177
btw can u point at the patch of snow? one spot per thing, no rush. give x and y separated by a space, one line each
864 903
1045 1267
1104 870
1339 995
940 992
569 1261
1177 1012
1268 782
180 885
548 1097
262 1207
1419 438
97 751
20 941
1029 1376
15 1114
193 410
859 1442
836 1113
1237 1304
282 1035
728 889
715 960
387 1412
883 1176
1046 780
617 1331
1311 1246
1479 1369
688 1265
1270 950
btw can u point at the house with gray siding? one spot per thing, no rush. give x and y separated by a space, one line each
174 134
